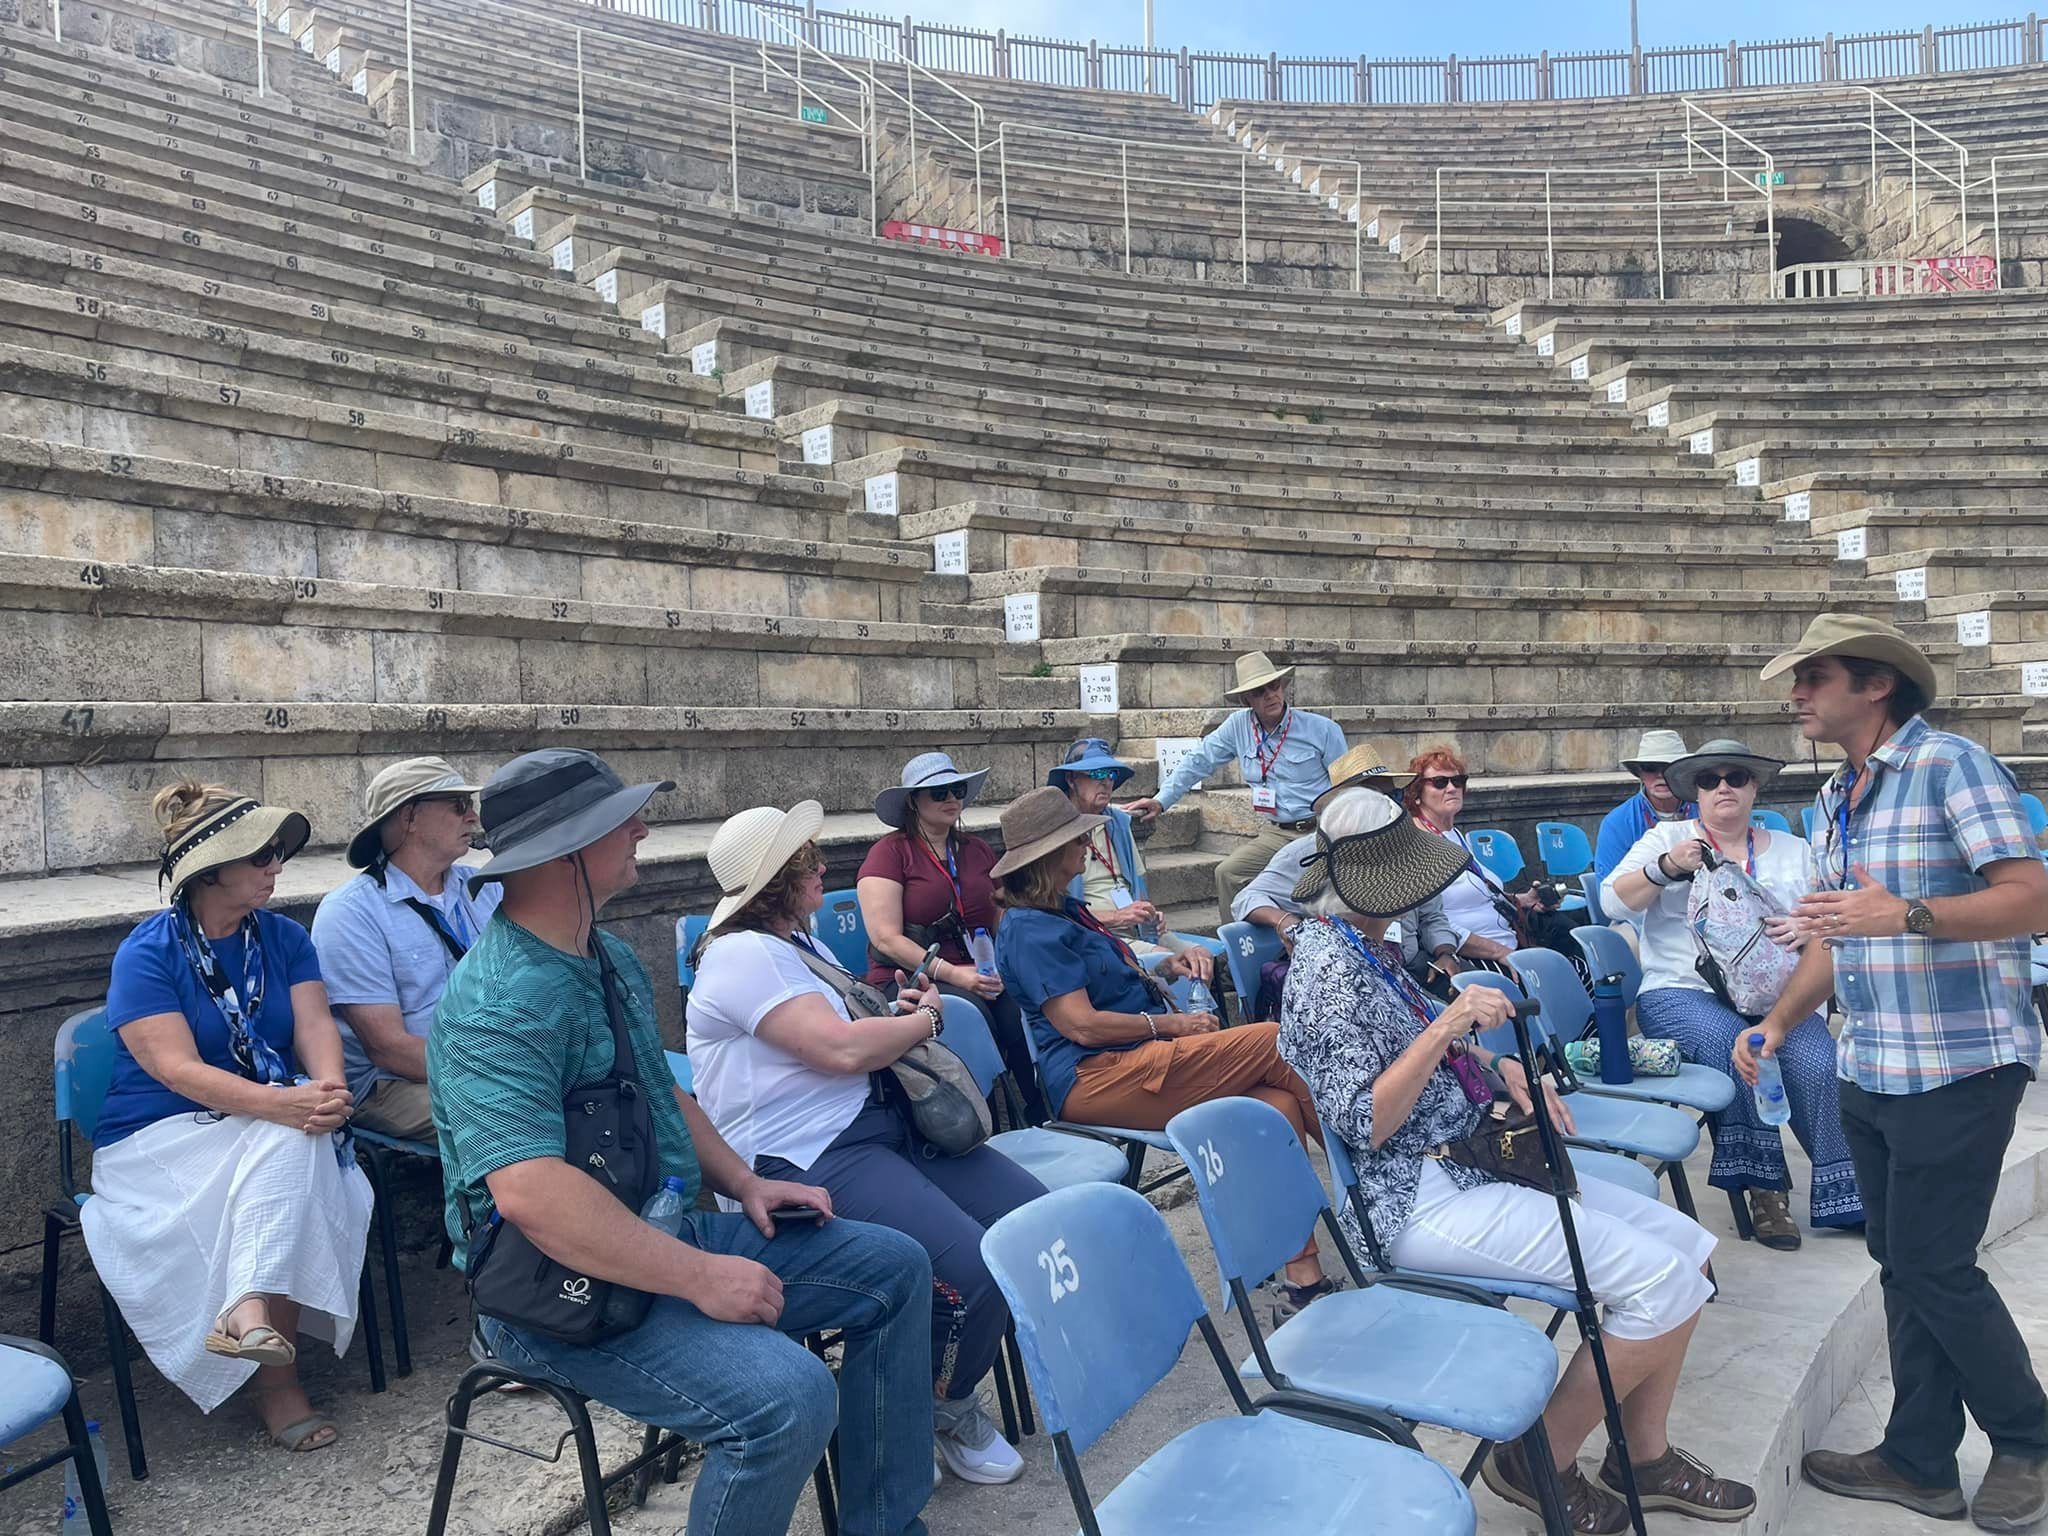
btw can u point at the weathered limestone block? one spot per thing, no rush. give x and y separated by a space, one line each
21 819
826 682
312 664
99 814
416 668
573 672
66 656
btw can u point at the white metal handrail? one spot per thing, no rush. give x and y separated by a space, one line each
1656 173
804 47
1915 160
1997 234
908 96
1728 135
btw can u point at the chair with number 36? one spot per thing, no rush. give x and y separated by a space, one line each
1102 1304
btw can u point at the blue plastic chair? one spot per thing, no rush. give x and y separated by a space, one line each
688 931
1498 851
1383 1349
1608 954
1565 849
1056 1159
83 1072
35 1387
680 1069
839 926
2037 813
1246 947
1770 821
1102 1304
1134 1142
1590 885
1806 822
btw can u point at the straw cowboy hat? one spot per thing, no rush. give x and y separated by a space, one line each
1657 749
1852 634
1360 765
1037 822
1088 755
928 770
551 803
1682 777
1384 870
237 830
1255 669
752 848
393 789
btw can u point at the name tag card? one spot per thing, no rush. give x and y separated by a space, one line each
1265 800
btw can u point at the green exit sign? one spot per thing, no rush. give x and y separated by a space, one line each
820 115
1763 178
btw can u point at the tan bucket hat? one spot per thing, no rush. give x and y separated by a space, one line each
751 848
1255 669
238 829
1360 765
392 789
1855 634
1035 823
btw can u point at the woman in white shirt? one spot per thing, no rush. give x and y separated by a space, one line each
1677 1004
784 1048
1476 905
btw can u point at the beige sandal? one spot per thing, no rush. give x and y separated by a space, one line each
263 1344
300 1436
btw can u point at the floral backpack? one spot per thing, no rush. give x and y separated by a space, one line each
1726 913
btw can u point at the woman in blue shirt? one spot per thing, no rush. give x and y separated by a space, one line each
228 1214
1112 1047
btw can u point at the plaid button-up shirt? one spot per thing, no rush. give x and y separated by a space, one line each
1923 1012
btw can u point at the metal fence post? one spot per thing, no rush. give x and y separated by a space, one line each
1635 71
2030 46
1549 239
1997 244
1002 58
1126 149
1093 66
262 65
908 45
1661 294
1361 90
1436 235
1830 61
1927 51
1184 82
1544 86
412 119
1731 65
732 87
1003 171
708 14
582 156
1358 226
1244 226
1273 77
1451 78
57 21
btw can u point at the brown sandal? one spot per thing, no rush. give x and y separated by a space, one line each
1682 1484
1588 1510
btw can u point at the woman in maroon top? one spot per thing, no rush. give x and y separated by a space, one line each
928 882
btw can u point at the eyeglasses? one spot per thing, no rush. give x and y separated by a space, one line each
948 792
462 805
1734 778
1448 780
269 854
1097 774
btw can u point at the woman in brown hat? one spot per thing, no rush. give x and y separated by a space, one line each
228 1215
1396 1079
1112 1046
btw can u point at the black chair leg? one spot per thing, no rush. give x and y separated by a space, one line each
1549 1488
90 1492
1681 1196
53 1238
1009 1411
124 1385
593 1475
387 1239
1738 1205
828 1506
451 1454
1023 1382
644 1478
373 1342
1134 1164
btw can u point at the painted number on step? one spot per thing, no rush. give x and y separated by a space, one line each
1059 1268
1211 1161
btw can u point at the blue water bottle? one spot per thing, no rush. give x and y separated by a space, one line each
664 1208
1771 1107
1610 1013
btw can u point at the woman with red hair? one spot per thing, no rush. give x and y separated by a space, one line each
1488 921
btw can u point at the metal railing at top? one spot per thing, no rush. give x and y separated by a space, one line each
800 48
1915 127
912 73
1089 165
1761 181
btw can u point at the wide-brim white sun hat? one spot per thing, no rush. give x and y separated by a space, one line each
752 847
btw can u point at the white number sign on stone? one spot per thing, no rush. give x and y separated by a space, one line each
1546 346
1372 230
361 84
564 255
334 61
1799 507
881 494
607 286
306 41
654 320
1658 415
1703 442
1020 617
523 225
1098 689
818 445
761 400
1617 391
487 196
2034 679
1749 471
1974 628
1851 543
1394 246
704 358
1171 751
1515 324
1910 585
949 553
1581 368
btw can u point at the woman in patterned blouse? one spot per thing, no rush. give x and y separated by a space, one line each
1396 1083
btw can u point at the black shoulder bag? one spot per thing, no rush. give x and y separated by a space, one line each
608 1130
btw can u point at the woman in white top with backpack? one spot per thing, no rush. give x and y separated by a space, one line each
1677 1003
787 1053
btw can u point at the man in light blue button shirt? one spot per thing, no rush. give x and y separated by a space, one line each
1285 756
389 938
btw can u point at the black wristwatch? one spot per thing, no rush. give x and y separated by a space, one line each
1920 919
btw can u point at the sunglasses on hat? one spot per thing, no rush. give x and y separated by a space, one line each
1734 778
1448 780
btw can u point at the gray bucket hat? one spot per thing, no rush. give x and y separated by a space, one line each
550 803
1683 776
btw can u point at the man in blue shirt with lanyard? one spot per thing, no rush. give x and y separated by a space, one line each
1285 756
1625 825
1926 891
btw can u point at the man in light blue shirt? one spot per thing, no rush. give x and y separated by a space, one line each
1285 756
389 938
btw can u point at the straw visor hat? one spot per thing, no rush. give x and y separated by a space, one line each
1255 669
392 790
1682 777
1852 634
1385 869
752 847
234 832
1037 822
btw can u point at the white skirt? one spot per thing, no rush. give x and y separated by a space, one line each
190 1215
1642 1257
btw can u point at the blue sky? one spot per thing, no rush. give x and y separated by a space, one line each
1466 27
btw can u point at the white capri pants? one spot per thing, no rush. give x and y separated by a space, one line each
1642 1258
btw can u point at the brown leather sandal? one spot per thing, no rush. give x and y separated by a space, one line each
1682 1484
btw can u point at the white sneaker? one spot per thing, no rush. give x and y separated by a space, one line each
973 1450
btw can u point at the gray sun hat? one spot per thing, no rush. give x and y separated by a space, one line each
1658 749
928 770
1682 777
551 803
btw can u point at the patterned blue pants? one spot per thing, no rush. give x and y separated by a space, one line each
1747 1153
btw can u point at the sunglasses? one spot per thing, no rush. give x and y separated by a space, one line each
948 792
461 804
269 854
1448 780
1734 778
1098 774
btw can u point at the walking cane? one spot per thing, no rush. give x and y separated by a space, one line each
1589 1318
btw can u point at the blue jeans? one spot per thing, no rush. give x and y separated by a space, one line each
762 1405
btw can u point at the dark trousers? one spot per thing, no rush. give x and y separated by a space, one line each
1928 1166
878 1171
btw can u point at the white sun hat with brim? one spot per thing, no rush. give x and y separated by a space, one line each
396 787
751 848
1658 749
548 804
928 770
1255 669
238 830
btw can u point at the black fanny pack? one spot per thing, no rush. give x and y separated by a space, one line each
608 1128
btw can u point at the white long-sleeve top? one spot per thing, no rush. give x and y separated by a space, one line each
1668 949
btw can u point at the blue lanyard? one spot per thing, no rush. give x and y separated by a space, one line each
1842 821
1401 983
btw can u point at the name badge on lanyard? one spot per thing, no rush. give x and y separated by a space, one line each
1265 800
1120 896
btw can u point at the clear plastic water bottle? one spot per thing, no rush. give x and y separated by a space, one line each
983 948
74 1498
1200 998
1771 1107
665 1208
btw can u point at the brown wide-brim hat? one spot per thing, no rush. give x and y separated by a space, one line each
1682 777
238 829
1037 822
1387 870
1855 634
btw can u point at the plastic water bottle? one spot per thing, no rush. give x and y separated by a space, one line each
74 1499
1771 1107
1200 998
664 1208
983 948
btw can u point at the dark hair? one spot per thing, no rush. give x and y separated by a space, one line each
1035 885
1906 698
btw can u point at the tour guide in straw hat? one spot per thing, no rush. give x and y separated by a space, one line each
1285 756
526 1018
1926 891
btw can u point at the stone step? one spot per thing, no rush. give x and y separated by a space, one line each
1943 573
1839 490
1879 531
